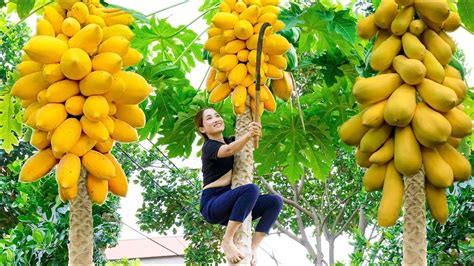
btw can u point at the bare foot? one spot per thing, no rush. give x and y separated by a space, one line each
254 258
231 252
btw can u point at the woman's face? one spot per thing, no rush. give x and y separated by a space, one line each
212 122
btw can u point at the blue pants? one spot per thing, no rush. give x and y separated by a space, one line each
218 205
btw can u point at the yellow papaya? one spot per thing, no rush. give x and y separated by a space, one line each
45 49
96 108
461 123
459 164
50 116
273 72
75 64
95 130
437 46
375 138
453 22
454 142
392 197
83 145
97 189
70 26
52 15
437 171
283 88
44 27
382 35
132 57
458 86
400 107
385 14
237 74
28 67
220 93
62 90
413 47
107 61
439 97
109 124
412 71
52 73
270 104
243 30
251 14
437 202
88 38
407 153
431 128
384 154
66 135
98 165
75 104
104 146
382 56
29 86
417 27
39 139
118 184
68 170
252 90
37 166
435 10
240 7
118 30
42 97
224 20
362 158
93 19
95 83
352 131
228 62
275 45
448 40
377 88
115 44
277 60
124 132
131 114
117 89
402 20
374 177
373 115
136 90
79 11
121 18
366 27
234 47
269 9
452 72
434 69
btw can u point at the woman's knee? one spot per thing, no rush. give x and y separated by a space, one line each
277 201
252 189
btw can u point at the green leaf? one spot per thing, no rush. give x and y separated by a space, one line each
38 236
466 9
345 25
24 7
10 123
135 14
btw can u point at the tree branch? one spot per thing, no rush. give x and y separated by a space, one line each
339 215
288 233
347 222
338 205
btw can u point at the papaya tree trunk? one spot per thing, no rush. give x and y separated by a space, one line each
80 226
414 220
243 174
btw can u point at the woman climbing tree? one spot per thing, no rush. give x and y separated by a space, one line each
219 203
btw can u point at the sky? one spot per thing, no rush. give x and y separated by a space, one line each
278 244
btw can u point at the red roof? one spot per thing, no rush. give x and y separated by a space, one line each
146 248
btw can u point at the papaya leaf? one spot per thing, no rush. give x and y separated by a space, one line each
10 123
466 9
23 7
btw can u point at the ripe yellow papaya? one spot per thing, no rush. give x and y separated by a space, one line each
384 154
221 76
93 19
243 30
459 164
275 45
52 73
270 9
88 38
68 170
37 166
83 145
70 26
453 22
454 142
437 46
234 47
213 32
224 20
44 27
392 197
42 97
66 135
352 131
50 116
107 61
118 184
95 130
31 109
237 74
98 165
434 69
123 132
270 104
270 2
29 86
366 27
39 139
136 88
458 86
75 64
277 60
382 56
251 14
452 72
435 10
228 62
283 88
97 189
375 138
60 91
374 177
377 88
96 108
131 114
448 40
52 15
115 44
117 89
439 97
132 57
45 49
413 47
75 104
240 7
437 171
407 153
228 36
109 124
381 37
118 30
252 90
220 93
79 11
412 71
28 67
461 123
385 14
239 95
402 20
373 115
431 128
95 83
362 159
400 107
118 18
105 146
437 202
417 27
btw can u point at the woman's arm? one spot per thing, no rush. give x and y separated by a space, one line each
234 147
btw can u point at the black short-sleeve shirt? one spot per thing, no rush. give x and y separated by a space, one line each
212 167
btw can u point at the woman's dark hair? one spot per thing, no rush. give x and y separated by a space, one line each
199 122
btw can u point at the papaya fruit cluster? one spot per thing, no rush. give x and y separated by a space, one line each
232 43
411 110
77 98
